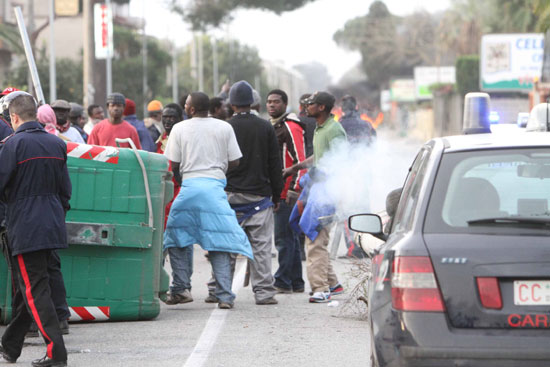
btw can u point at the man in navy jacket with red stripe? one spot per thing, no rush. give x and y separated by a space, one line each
34 182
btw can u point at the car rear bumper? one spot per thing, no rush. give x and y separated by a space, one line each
421 339
480 355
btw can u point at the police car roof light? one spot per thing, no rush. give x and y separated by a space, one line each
476 114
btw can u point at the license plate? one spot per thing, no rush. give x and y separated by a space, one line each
531 292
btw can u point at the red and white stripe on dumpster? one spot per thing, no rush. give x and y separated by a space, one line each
93 152
89 313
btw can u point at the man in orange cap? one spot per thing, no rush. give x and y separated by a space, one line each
154 121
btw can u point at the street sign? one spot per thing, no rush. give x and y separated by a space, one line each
424 76
510 62
66 8
103 31
402 90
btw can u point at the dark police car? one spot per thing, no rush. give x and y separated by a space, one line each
463 278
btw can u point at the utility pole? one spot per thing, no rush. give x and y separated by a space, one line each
53 82
201 64
144 55
215 75
88 57
193 63
174 72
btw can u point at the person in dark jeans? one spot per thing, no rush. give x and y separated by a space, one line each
290 136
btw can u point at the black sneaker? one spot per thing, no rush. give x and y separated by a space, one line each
6 356
64 326
267 301
48 362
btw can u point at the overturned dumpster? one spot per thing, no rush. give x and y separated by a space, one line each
113 266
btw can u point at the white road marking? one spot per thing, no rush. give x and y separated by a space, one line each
209 335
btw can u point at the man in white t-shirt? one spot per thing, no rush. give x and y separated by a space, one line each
201 151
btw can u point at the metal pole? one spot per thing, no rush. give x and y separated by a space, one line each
53 81
88 57
144 54
338 230
201 64
6 7
194 73
30 30
215 75
174 73
108 65
28 53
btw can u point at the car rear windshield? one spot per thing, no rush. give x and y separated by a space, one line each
503 191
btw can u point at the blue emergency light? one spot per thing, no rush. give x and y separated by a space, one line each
494 117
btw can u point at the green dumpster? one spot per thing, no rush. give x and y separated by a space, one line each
113 266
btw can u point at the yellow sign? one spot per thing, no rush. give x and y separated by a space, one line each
66 8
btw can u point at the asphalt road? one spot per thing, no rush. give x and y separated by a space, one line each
293 333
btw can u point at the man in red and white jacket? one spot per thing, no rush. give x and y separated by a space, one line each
290 136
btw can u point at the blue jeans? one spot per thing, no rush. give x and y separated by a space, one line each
287 242
181 261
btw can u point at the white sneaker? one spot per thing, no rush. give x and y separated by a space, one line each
320 297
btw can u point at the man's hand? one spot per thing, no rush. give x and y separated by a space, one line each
290 171
226 86
276 207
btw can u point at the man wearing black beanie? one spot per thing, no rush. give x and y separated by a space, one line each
254 187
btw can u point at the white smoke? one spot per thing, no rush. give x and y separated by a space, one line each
358 176
347 177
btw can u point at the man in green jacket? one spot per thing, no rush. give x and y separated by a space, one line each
328 133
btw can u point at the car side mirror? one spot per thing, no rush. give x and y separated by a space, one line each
367 223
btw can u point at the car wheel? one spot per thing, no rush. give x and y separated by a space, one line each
373 362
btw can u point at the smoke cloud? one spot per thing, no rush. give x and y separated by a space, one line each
358 177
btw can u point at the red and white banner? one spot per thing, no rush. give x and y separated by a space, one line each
93 152
89 313
103 31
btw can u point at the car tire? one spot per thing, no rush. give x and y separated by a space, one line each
373 362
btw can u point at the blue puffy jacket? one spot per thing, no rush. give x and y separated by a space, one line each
35 184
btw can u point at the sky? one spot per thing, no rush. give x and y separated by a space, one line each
296 37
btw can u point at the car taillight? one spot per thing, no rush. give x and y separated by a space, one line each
414 287
489 292
376 262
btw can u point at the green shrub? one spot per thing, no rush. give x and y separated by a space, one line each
467 74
